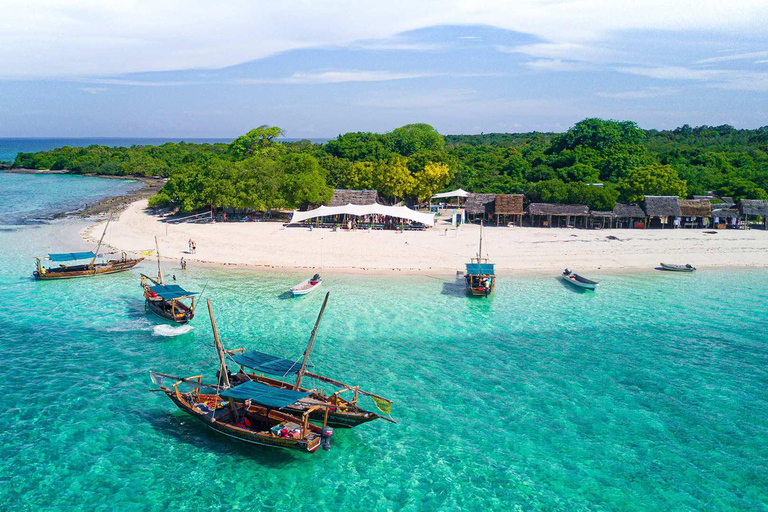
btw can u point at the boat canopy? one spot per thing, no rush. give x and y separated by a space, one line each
401 212
480 269
72 256
171 291
264 395
454 193
266 363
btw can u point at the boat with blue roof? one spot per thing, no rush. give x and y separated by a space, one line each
480 275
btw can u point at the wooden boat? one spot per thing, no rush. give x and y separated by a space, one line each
578 281
677 268
167 301
337 412
306 286
480 276
92 268
250 412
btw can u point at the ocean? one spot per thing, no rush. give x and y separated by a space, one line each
650 394
10 147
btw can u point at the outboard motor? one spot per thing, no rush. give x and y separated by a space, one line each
325 437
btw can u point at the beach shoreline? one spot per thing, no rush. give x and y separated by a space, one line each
441 251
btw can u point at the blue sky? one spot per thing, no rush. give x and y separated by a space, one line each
81 68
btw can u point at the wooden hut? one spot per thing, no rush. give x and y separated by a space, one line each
695 212
722 216
629 215
754 208
481 205
509 204
343 197
661 211
541 211
601 219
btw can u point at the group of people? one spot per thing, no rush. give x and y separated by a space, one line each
192 246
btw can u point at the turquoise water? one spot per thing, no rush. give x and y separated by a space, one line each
651 394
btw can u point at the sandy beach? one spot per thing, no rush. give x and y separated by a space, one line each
441 250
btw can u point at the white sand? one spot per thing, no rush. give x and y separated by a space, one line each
512 249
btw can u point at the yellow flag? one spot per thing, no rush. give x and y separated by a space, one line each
148 253
384 406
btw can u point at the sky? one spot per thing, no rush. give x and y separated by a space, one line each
137 68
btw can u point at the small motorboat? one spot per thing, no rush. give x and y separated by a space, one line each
678 268
306 286
578 281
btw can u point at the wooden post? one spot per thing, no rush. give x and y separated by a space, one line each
219 349
300 375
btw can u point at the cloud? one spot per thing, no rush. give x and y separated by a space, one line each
649 92
336 77
94 90
740 56
718 78
139 83
564 51
77 38
554 65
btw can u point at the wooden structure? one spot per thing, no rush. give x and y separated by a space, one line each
723 216
754 208
337 411
167 301
629 215
695 212
252 412
509 205
579 281
558 211
661 210
598 219
480 275
84 270
480 205
343 197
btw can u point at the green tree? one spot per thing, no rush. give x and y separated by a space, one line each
304 181
393 179
412 138
652 180
429 180
258 140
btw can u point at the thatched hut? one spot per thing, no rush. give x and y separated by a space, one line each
722 217
541 211
509 204
695 212
754 208
480 205
661 210
601 219
629 215
343 197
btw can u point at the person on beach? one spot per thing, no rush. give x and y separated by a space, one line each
189 243
183 264
194 247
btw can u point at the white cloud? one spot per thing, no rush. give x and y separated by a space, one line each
94 90
336 77
719 78
648 92
76 38
564 51
740 56
554 65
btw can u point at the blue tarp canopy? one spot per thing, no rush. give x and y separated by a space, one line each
480 268
266 363
171 291
264 395
72 256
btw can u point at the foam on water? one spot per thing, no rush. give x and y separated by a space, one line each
169 330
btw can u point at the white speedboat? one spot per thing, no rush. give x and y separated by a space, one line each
306 286
677 268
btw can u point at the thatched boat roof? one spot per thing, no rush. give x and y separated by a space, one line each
628 211
479 204
661 206
695 207
343 197
753 207
509 204
725 213
558 209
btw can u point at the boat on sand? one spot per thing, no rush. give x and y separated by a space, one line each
677 268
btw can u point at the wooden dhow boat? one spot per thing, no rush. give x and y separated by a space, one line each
167 301
92 268
337 411
251 412
578 281
480 276
306 286
678 268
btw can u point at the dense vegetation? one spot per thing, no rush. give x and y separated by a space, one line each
413 162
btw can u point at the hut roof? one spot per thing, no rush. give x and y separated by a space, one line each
728 200
509 204
628 211
725 213
695 207
558 209
662 206
753 207
479 203
342 197
602 214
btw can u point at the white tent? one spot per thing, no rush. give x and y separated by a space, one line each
401 212
455 193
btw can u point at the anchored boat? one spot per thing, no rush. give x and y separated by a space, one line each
578 281
677 268
63 271
167 301
480 276
252 412
306 286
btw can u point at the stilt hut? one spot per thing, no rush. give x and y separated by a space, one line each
695 212
480 205
542 211
754 208
661 211
629 215
509 205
